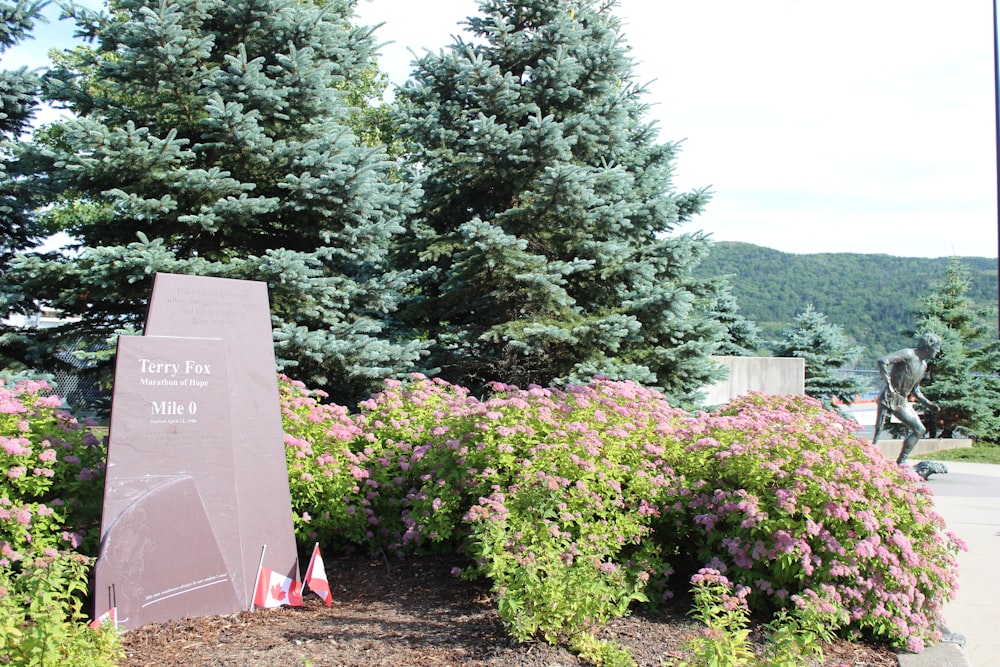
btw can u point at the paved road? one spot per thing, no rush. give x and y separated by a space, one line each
968 498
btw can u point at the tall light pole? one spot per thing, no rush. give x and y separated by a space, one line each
996 110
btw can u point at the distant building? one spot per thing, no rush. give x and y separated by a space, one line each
45 318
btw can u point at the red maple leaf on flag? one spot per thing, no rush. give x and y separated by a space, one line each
274 590
277 593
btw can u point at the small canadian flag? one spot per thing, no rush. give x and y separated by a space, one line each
110 616
316 577
275 590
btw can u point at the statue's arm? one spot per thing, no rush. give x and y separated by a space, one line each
923 399
885 365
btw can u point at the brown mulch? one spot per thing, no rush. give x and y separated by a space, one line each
412 613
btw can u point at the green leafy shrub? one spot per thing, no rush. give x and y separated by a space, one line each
794 638
41 620
50 503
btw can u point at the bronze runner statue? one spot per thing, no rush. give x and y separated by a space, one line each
902 372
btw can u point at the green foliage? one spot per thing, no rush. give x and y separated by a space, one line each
826 351
41 621
370 117
872 296
545 236
50 500
963 378
742 338
580 502
19 88
215 138
978 453
794 637
18 100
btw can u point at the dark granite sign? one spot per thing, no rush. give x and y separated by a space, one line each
196 424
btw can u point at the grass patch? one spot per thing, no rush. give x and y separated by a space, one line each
974 454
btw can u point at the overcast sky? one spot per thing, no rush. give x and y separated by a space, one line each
849 126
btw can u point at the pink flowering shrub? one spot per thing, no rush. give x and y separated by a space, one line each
578 502
785 499
52 481
51 490
546 491
387 478
564 528
421 473
318 442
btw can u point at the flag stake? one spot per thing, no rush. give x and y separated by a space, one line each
256 579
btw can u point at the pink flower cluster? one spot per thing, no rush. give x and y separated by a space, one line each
52 475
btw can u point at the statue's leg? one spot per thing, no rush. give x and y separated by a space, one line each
879 420
909 417
908 444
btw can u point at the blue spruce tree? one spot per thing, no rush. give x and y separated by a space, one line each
18 99
546 236
742 337
213 138
963 377
827 352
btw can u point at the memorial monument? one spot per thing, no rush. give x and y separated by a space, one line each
196 498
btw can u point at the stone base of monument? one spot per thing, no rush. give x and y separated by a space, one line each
890 448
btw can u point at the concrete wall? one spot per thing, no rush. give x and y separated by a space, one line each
771 375
890 448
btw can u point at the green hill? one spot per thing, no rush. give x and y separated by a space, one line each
871 296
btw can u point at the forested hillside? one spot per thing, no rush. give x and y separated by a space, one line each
871 296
